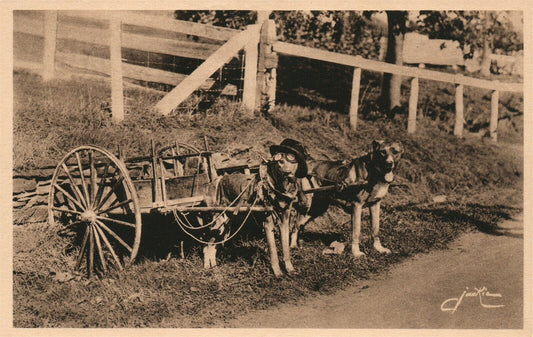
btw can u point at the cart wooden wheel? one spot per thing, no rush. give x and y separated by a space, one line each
94 201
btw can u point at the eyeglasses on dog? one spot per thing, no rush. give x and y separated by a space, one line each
290 157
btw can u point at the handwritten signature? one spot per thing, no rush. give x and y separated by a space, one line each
452 304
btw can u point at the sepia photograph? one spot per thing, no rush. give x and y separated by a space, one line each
233 170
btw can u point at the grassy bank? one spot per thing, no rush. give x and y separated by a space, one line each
482 183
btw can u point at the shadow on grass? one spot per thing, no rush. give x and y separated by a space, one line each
434 225
409 229
325 238
486 219
162 237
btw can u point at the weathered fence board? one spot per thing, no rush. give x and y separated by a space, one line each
158 22
101 65
250 73
186 27
494 101
179 48
115 46
459 111
413 105
100 36
354 105
50 23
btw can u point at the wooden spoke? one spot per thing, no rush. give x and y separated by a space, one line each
75 188
115 206
101 186
66 194
114 235
82 177
91 250
109 247
82 250
110 193
66 210
120 222
99 247
92 171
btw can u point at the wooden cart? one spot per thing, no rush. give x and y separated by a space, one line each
99 198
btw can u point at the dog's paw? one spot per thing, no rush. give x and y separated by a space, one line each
383 250
210 259
277 272
380 248
289 267
294 242
358 254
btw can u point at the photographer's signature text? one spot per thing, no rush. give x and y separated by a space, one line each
451 304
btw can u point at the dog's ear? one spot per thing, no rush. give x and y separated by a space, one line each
397 152
376 145
398 147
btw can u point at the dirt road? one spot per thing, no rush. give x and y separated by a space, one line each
480 276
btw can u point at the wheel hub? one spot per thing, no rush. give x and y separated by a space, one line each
88 216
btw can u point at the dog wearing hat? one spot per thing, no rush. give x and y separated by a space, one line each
275 186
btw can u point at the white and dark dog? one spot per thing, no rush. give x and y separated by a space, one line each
274 186
361 182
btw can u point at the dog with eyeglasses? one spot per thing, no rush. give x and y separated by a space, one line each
361 182
276 186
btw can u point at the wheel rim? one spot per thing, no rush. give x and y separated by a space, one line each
94 201
176 166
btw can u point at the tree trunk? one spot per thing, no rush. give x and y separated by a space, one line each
391 89
487 44
485 57
396 80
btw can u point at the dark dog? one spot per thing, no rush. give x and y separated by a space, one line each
274 186
362 182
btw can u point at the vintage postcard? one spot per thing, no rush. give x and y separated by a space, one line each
270 169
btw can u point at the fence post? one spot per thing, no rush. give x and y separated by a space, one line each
117 94
354 101
271 66
413 103
494 101
266 65
459 108
250 73
50 35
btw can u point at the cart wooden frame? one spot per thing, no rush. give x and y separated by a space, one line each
98 199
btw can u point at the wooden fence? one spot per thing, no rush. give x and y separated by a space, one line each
411 72
119 31
261 48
